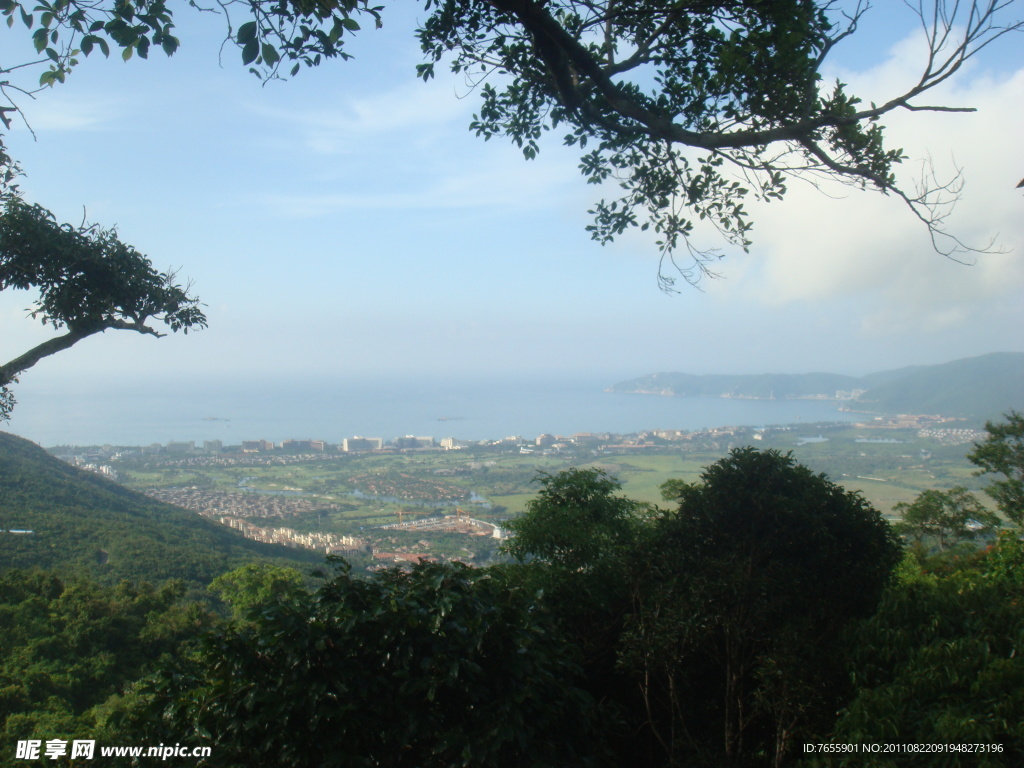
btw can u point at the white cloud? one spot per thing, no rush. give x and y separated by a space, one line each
350 122
447 180
815 248
69 112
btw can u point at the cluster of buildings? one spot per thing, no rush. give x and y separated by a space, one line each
954 436
457 523
348 445
93 466
266 452
217 503
328 543
905 421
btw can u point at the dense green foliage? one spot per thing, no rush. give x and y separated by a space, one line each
947 518
950 517
88 279
1002 452
576 523
747 589
440 666
252 586
69 648
942 662
86 524
716 626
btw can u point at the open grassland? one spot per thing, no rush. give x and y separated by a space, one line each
515 504
643 475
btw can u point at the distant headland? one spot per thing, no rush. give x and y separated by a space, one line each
984 386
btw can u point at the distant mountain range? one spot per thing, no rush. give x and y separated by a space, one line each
85 524
982 387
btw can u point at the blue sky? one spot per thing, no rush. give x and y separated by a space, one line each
347 224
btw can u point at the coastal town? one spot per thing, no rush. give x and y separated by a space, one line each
394 500
256 453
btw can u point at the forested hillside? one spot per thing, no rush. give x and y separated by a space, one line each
980 387
84 524
983 386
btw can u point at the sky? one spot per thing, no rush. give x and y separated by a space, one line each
346 223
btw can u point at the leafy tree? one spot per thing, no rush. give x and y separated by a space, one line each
741 598
441 666
1002 452
577 540
576 522
715 628
949 516
254 585
88 282
942 663
690 108
1005 561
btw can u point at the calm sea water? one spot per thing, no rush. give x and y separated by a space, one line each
132 414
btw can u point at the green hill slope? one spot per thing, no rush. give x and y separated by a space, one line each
83 523
982 387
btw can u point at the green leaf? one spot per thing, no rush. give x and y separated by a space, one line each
336 31
250 51
246 32
350 24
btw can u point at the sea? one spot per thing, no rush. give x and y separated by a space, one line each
133 413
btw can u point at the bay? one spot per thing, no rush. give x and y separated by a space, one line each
196 409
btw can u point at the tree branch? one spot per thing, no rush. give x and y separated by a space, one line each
10 371
536 19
